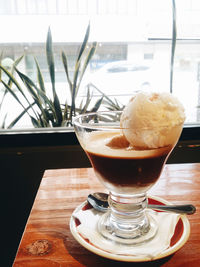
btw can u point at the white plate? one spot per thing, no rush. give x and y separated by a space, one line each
181 235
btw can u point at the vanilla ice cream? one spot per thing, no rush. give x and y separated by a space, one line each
152 120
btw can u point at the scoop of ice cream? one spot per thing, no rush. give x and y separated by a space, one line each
152 120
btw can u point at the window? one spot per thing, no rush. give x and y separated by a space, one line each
133 52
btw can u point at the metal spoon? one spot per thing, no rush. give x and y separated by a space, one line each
99 201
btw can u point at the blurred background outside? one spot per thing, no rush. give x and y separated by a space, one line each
133 52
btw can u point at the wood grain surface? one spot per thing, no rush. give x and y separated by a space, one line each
47 240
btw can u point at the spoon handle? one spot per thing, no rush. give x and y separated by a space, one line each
182 209
99 202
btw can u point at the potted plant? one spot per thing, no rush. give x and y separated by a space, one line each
43 110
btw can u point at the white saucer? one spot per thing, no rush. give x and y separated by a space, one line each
181 235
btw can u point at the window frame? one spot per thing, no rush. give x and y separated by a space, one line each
65 136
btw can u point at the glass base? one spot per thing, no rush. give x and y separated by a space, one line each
138 235
127 221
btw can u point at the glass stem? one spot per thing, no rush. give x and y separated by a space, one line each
127 215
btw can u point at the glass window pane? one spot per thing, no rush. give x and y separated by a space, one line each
133 51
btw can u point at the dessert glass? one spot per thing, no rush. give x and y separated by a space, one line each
127 173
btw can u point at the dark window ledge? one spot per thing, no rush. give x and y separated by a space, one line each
65 136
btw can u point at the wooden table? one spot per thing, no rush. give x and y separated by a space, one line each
47 240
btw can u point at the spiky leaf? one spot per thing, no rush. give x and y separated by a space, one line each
50 59
65 64
40 77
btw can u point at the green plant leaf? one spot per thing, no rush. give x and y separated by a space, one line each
4 122
40 77
65 112
50 60
65 64
75 81
73 94
1 57
58 111
14 81
97 105
78 61
12 78
77 71
110 104
86 62
84 43
36 95
12 93
3 97
40 98
36 123
30 85
88 101
16 62
104 95
12 124
15 96
51 66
